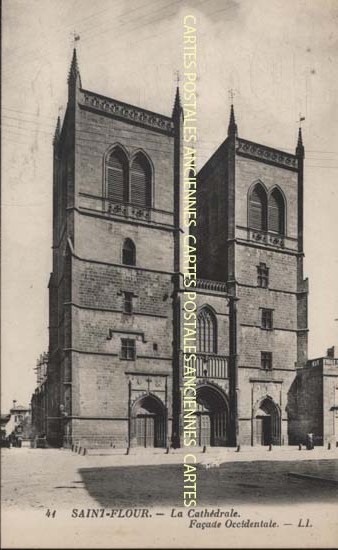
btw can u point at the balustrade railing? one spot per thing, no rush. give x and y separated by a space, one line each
128 210
211 285
210 365
264 237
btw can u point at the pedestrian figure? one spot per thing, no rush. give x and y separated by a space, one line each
309 441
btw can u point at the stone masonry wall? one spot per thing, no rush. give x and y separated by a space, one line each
212 215
306 405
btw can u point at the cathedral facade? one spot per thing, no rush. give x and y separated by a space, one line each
115 353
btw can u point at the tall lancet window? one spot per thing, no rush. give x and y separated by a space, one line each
117 176
206 331
128 252
257 208
140 181
276 212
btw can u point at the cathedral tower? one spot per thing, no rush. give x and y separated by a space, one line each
250 226
115 239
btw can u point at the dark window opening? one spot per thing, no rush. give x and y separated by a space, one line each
155 347
140 181
128 302
128 253
276 212
258 208
128 349
117 177
262 276
266 360
267 319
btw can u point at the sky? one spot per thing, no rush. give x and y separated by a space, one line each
280 57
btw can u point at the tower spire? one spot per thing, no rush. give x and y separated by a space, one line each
74 72
177 103
232 128
300 146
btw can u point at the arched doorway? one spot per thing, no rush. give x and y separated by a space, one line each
148 422
267 423
212 416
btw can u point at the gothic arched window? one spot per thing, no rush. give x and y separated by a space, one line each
129 253
117 176
276 209
257 208
206 331
140 181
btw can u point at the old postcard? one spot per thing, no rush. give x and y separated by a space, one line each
169 274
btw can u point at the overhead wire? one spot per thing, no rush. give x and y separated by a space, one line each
41 51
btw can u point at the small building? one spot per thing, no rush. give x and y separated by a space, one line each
20 420
313 400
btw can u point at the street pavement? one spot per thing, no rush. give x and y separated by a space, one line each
57 478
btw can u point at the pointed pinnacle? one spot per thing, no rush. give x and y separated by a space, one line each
300 146
74 67
177 103
232 128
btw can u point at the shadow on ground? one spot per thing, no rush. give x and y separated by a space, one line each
232 483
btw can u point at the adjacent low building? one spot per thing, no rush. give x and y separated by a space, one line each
20 421
313 400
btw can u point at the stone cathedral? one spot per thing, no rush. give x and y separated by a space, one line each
114 371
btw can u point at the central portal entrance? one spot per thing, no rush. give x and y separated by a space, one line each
148 423
212 417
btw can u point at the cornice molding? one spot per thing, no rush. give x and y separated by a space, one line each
266 154
127 112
